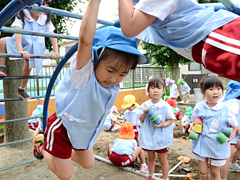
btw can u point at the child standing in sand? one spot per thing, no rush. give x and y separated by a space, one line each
130 115
124 150
198 33
184 90
173 89
215 115
156 138
73 130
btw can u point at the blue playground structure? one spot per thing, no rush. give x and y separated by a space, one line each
15 6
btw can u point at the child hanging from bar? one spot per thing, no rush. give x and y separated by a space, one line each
85 94
198 33
28 44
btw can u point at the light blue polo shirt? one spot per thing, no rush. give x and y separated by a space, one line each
83 110
124 146
214 120
32 44
186 26
152 138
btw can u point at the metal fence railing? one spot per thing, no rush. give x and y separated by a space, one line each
137 78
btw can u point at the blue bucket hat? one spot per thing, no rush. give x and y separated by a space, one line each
112 37
233 90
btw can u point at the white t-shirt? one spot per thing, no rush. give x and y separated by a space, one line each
80 77
158 8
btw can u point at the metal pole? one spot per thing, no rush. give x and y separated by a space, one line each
36 33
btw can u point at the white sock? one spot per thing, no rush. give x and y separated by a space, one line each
144 164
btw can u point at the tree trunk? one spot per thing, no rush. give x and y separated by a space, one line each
175 70
15 109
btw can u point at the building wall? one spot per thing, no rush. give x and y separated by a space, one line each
139 93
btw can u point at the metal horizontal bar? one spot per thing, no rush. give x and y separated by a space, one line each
54 11
19 99
31 56
36 33
24 77
17 164
18 120
16 142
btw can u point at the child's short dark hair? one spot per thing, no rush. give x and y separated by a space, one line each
210 81
127 60
155 81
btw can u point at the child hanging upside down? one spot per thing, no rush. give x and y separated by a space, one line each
198 33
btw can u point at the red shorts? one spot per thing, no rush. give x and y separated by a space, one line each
165 150
174 98
136 130
220 51
33 126
56 141
121 159
111 126
179 114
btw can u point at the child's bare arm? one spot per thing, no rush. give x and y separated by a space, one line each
86 33
18 37
234 129
132 20
143 116
55 48
116 121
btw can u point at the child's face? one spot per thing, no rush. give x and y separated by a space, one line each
213 94
35 14
107 75
156 92
131 107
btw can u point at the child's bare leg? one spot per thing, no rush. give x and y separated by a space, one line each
142 157
225 167
3 71
2 50
215 172
109 148
62 168
162 157
136 153
184 97
151 161
236 152
26 72
84 158
203 169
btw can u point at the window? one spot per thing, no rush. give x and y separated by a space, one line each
67 48
193 66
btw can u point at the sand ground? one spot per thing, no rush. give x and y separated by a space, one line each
38 170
